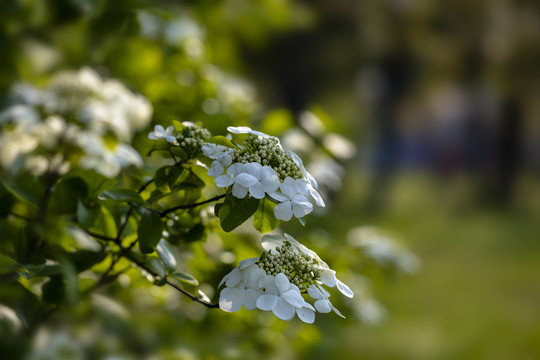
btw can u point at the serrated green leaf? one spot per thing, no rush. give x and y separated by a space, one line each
264 219
166 255
121 195
186 278
149 232
235 211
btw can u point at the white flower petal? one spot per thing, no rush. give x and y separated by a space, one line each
216 169
283 211
251 279
315 293
234 279
328 277
239 191
224 181
247 262
323 306
257 191
337 311
316 196
268 282
266 302
235 169
294 298
246 179
231 299
225 159
283 310
278 196
301 209
253 169
344 289
250 298
288 187
306 315
282 283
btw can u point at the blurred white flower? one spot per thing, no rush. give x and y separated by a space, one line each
383 249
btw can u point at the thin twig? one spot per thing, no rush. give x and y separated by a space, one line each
189 206
129 256
125 252
99 236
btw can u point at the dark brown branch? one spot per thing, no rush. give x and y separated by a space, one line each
189 206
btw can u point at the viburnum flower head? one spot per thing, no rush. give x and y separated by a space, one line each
262 167
288 270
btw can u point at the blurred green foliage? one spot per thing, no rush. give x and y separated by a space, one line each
477 294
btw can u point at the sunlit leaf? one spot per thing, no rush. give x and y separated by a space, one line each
166 255
186 278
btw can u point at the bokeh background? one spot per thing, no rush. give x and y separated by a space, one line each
435 109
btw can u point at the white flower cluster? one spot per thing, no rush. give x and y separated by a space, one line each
259 172
77 109
277 281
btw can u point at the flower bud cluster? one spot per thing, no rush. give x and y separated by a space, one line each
300 269
268 152
192 138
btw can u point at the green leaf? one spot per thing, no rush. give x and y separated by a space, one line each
65 195
178 126
235 211
149 232
167 175
53 291
264 219
186 278
8 265
121 195
87 215
221 140
158 267
216 208
25 191
166 255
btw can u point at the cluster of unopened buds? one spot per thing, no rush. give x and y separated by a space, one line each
261 167
279 279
